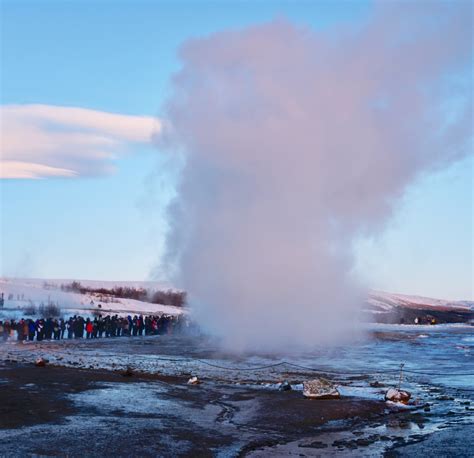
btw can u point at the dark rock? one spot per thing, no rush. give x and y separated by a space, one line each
315 444
41 362
445 398
363 442
128 372
284 386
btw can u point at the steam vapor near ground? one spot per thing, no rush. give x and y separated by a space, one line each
296 142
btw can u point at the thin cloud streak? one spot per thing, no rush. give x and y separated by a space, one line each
28 170
43 141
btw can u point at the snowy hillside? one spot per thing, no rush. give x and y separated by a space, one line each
393 308
20 294
383 301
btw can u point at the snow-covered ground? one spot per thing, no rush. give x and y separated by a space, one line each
437 371
21 294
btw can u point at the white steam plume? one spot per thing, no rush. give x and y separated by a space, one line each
296 143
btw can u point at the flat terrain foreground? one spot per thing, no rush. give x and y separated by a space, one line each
57 411
82 403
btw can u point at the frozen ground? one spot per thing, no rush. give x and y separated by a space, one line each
81 396
97 413
239 394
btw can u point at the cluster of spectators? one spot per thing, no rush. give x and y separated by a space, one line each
77 327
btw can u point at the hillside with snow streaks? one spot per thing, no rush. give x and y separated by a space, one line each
387 301
391 308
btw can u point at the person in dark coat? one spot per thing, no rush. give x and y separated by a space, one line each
31 330
62 326
20 328
48 329
56 330
79 328
40 330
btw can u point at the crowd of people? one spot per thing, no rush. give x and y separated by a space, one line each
77 327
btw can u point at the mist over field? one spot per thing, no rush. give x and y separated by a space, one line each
296 143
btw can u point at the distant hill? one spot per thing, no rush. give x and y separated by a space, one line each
385 307
381 307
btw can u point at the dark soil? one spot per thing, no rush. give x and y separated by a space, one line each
39 415
32 395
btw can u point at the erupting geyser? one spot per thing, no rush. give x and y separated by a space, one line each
296 142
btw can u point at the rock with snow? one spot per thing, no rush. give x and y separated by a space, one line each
284 386
194 381
396 395
320 388
41 362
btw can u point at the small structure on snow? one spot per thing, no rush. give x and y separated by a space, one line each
320 388
396 394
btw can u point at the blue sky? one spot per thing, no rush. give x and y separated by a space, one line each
118 56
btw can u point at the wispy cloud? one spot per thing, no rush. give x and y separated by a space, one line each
40 141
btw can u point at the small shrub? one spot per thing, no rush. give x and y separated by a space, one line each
170 297
30 309
49 311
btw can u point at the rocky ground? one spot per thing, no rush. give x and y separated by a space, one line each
59 411
82 403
